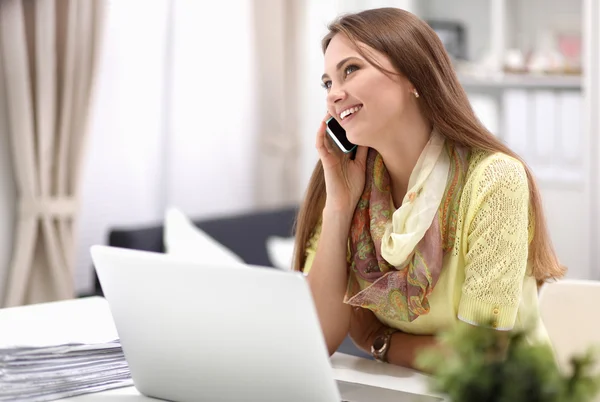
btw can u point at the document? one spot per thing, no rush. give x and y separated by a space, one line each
58 350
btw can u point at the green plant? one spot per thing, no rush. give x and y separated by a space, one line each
482 365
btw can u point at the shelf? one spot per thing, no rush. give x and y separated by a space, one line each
573 82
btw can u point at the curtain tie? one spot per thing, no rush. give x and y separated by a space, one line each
55 207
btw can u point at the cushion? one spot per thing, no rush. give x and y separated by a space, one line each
185 240
281 251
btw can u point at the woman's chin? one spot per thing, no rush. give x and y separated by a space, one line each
352 138
356 140
359 138
356 137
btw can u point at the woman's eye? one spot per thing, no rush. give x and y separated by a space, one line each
350 69
326 84
347 71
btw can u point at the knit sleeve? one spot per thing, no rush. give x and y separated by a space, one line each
497 243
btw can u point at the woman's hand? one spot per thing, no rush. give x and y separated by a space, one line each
344 177
364 327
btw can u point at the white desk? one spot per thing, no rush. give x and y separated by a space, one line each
90 320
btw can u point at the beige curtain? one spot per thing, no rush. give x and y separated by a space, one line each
591 68
277 25
48 58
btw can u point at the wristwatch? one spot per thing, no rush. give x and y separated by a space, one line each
381 345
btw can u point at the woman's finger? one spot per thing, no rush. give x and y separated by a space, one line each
322 142
361 155
319 137
329 144
321 130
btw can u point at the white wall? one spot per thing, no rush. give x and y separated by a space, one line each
124 161
312 96
212 125
174 124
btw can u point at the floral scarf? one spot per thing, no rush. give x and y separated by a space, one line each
396 256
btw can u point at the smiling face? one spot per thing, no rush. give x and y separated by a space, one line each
369 104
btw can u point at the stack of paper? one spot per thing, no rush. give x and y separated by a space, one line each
53 372
57 350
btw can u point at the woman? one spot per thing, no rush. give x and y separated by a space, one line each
434 221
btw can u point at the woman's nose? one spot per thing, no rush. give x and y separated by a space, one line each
336 94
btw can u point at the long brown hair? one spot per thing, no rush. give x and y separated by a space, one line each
415 51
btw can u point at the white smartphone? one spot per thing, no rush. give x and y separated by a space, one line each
338 135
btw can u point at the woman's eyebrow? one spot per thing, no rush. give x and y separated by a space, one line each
339 65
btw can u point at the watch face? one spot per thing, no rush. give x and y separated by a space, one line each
379 343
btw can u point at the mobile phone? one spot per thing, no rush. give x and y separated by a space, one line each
338 135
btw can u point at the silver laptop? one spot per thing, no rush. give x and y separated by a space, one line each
195 332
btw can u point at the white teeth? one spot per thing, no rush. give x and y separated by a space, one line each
349 111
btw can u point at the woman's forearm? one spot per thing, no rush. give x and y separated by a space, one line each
328 279
404 348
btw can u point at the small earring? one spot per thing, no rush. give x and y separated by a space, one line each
416 93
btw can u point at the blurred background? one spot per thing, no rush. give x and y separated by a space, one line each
212 107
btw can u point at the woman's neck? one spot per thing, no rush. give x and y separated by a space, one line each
401 152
